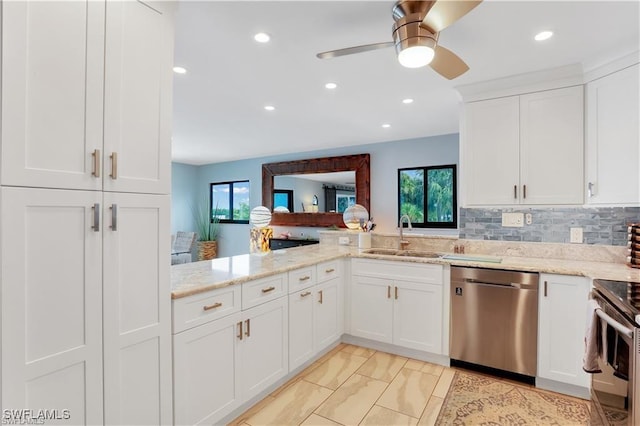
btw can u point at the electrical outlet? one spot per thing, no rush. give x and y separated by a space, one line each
528 218
576 236
515 220
343 241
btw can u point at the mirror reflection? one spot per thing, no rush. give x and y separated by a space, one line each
316 192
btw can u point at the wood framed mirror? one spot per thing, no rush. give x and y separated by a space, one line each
358 163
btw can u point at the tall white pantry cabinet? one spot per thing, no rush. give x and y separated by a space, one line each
84 210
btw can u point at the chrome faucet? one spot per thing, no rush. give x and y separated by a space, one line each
401 241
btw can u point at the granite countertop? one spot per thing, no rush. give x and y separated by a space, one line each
197 277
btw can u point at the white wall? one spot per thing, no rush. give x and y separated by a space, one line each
386 159
184 192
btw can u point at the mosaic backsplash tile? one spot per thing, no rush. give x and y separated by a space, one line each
602 225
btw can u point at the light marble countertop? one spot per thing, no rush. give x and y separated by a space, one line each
197 277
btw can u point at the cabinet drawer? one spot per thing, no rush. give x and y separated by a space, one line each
263 290
328 270
421 272
302 278
195 310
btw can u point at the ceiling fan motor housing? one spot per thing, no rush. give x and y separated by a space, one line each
408 32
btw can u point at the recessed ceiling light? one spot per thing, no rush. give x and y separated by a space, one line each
179 70
262 37
330 85
386 125
269 107
407 101
543 35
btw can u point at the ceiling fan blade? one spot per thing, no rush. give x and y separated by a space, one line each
355 49
446 12
448 64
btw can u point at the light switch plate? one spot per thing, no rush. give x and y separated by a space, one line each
576 236
514 220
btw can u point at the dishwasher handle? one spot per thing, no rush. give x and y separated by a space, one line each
519 286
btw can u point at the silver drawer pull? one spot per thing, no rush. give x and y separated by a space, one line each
268 289
328 271
209 307
305 278
305 294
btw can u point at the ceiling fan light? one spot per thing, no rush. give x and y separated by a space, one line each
416 56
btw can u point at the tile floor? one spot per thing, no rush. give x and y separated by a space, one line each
353 385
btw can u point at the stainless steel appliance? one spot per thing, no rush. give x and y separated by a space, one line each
615 393
494 319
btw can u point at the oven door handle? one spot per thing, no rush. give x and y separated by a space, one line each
615 324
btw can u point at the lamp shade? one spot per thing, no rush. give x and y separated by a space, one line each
260 217
355 216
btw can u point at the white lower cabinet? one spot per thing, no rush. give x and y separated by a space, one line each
221 363
562 319
315 312
398 303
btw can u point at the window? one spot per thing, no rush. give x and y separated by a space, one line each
230 201
428 196
283 198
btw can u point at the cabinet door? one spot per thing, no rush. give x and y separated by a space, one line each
613 132
137 116
371 308
328 313
51 302
417 316
551 146
205 368
562 318
52 73
491 152
300 327
137 309
264 353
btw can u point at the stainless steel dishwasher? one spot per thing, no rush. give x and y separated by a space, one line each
494 319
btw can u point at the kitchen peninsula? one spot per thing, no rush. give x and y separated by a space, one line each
251 322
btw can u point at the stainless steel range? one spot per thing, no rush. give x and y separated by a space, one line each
615 391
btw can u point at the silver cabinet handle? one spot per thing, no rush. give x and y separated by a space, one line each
590 189
114 165
96 163
524 191
321 299
114 217
545 289
96 217
515 191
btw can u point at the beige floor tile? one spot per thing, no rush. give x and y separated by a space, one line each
335 370
434 369
380 416
316 420
353 400
431 411
251 411
414 364
409 392
443 384
382 366
358 350
292 406
285 386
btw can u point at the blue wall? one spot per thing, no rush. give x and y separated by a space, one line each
184 193
386 159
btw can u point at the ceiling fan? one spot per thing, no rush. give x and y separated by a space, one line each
415 35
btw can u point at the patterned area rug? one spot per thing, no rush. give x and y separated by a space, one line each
481 400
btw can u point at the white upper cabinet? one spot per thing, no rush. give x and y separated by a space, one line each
137 104
613 138
52 93
525 149
85 108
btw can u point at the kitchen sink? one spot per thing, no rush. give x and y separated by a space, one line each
403 253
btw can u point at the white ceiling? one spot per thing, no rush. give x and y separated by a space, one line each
218 104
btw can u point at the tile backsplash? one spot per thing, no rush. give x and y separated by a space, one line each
601 225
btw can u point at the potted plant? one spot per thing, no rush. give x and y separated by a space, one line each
207 228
